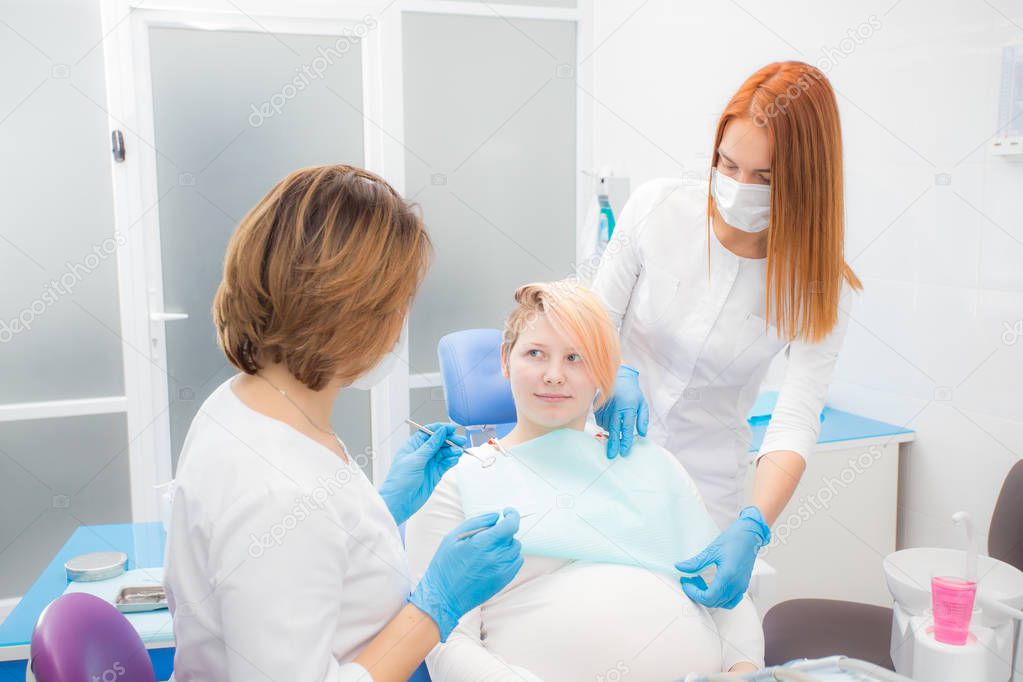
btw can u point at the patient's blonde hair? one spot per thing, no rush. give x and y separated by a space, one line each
576 313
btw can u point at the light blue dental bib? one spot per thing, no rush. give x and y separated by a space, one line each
640 510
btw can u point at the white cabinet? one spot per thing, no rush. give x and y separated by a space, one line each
842 519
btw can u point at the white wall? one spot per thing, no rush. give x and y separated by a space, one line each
942 264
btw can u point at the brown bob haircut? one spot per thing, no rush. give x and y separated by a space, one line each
320 275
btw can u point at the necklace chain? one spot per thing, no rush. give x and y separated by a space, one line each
329 432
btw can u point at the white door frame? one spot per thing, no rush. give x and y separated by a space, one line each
129 101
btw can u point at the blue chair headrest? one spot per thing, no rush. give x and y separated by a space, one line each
474 389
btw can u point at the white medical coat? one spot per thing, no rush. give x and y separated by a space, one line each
698 338
282 560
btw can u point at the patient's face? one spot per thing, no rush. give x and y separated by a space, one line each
550 383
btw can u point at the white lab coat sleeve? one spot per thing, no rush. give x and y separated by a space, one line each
463 658
277 570
742 636
795 423
620 264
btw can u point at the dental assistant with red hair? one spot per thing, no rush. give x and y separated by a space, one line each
707 284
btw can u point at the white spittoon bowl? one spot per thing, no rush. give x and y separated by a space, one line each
908 573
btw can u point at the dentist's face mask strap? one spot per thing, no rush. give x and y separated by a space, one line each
743 206
383 368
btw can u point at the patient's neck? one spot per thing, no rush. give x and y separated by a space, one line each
526 430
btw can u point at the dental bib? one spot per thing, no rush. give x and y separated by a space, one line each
642 510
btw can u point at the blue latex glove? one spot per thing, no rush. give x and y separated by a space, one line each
465 572
417 468
625 413
733 552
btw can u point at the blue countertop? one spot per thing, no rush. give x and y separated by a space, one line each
144 545
836 426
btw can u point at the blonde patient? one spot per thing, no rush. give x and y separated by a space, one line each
560 619
555 371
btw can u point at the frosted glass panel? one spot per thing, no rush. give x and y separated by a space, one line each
351 421
58 474
490 128
234 112
427 405
59 317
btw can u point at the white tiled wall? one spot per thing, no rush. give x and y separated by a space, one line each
935 224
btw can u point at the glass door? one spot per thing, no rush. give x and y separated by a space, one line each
471 115
234 112
490 136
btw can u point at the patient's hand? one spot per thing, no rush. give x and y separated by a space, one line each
743 667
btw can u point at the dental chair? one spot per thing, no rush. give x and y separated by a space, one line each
477 395
814 628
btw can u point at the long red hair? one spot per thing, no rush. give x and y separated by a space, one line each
806 266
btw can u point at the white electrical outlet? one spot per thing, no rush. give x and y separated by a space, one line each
1009 139
1007 146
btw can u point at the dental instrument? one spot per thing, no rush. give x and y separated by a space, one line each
470 533
497 446
489 461
810 670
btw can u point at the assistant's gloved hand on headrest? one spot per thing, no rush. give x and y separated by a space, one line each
624 414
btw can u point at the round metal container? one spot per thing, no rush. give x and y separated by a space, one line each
96 566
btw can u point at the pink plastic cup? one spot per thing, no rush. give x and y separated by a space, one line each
952 601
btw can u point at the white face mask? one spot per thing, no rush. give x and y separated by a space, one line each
383 368
743 206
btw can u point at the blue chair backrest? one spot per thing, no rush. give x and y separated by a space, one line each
475 391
